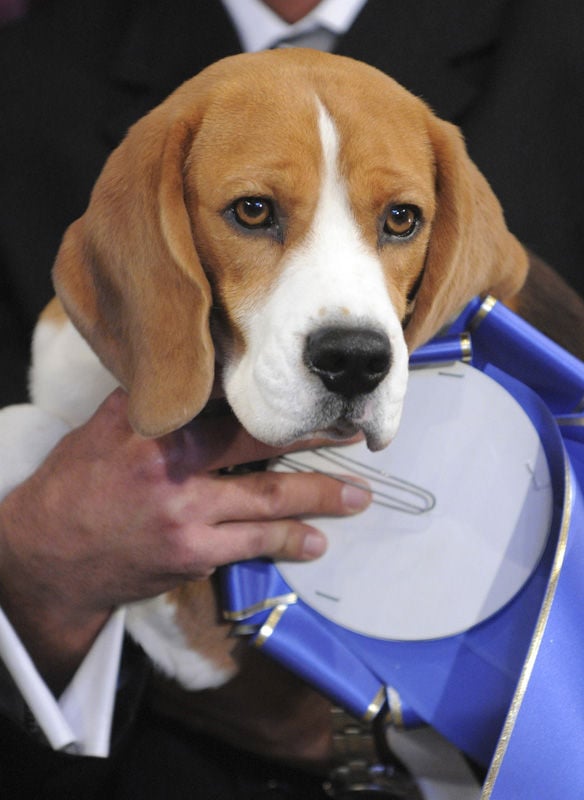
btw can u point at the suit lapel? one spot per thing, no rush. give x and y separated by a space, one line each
439 51
164 46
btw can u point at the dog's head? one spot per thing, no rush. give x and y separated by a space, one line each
297 218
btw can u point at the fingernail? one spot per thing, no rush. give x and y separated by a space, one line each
314 544
355 499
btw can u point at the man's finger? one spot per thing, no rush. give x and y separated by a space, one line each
278 495
288 539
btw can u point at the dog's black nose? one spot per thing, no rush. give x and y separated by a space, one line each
349 361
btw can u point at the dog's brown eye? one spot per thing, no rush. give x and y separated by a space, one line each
401 221
253 212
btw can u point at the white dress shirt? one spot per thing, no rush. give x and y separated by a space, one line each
260 28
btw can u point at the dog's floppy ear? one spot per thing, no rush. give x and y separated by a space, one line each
130 279
471 251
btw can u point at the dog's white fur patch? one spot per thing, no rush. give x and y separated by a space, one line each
67 384
152 623
332 278
28 434
67 379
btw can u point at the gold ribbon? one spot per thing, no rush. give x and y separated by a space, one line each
536 640
270 602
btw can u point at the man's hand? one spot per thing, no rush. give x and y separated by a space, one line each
110 517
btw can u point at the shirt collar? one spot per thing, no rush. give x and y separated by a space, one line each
259 28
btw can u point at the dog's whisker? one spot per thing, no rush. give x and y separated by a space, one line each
386 489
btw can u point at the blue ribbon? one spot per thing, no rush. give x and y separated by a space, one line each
508 692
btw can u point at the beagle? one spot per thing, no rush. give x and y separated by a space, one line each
298 219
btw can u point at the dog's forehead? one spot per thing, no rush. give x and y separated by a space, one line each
262 111
285 73
257 119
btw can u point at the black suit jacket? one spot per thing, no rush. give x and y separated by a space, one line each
152 757
76 74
